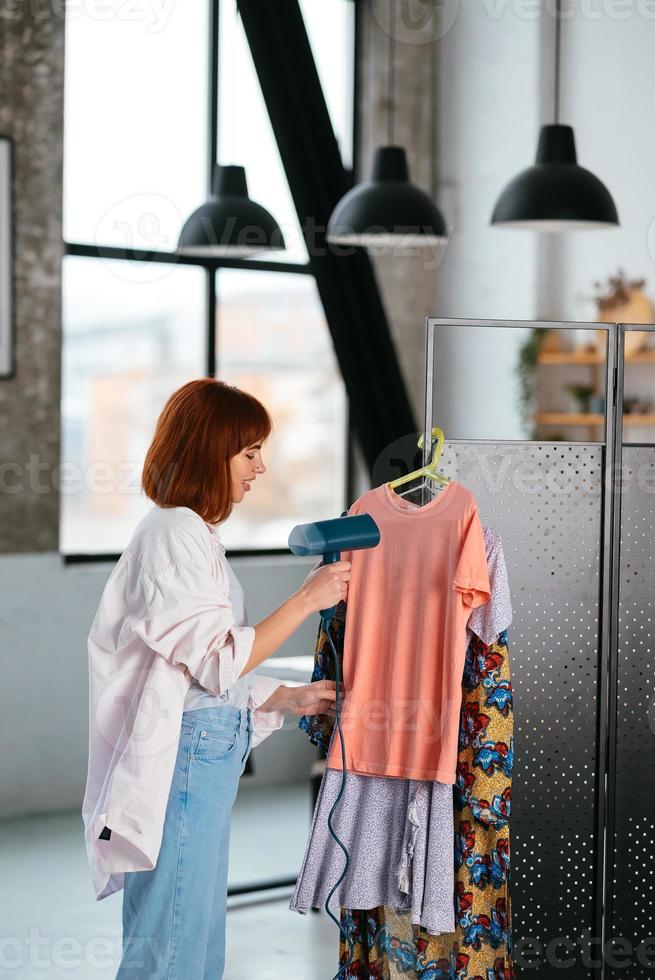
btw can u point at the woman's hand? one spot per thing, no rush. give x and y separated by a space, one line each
326 585
317 698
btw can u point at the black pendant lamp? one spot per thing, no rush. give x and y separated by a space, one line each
555 194
229 224
387 209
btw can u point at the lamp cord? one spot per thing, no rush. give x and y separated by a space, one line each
391 77
346 935
558 23
233 86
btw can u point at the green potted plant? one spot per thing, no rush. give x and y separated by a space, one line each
525 369
581 394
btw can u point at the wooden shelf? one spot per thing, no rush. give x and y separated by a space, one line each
587 418
590 357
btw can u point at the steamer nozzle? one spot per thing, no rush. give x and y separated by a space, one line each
329 538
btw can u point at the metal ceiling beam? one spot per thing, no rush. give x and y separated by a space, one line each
380 408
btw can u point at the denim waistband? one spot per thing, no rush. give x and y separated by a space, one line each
224 713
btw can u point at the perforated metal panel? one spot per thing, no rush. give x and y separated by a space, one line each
578 528
631 905
545 499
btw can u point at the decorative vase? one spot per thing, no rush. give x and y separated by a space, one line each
636 309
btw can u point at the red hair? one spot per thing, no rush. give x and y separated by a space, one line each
201 427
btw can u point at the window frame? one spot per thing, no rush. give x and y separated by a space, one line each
212 265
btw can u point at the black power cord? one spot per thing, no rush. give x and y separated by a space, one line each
326 625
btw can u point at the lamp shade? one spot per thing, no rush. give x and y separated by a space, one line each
229 224
387 209
555 194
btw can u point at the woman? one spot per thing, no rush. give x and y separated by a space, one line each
174 706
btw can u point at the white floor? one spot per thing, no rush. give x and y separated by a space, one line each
52 926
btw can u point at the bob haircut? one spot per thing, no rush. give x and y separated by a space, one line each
201 427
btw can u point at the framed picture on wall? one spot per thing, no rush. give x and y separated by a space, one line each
7 363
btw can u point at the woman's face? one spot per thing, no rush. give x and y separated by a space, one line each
244 468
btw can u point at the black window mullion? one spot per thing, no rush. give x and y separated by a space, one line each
212 151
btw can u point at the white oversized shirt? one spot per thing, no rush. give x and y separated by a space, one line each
165 622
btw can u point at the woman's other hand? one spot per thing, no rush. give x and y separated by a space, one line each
326 585
317 698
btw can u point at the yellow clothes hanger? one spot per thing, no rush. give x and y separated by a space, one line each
429 471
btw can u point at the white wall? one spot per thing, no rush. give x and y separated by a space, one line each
489 67
608 73
608 77
47 611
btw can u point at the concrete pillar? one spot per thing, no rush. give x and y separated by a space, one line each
31 112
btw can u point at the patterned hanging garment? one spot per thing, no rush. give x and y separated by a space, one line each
386 944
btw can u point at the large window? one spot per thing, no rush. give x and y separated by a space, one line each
135 122
137 160
128 344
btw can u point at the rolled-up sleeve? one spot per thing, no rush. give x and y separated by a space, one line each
185 615
264 723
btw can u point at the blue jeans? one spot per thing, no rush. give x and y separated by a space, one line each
174 915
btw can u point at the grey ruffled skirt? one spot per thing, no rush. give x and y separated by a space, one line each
400 838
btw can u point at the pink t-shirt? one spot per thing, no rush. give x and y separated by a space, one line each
409 600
